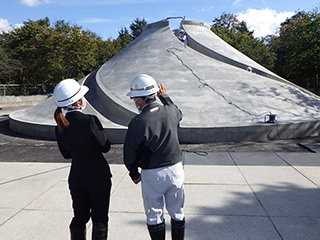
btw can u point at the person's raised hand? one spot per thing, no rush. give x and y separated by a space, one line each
162 90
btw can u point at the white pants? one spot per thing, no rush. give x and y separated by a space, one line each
163 185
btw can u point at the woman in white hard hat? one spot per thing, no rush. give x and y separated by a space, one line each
82 138
152 144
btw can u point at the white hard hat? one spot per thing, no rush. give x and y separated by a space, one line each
143 85
68 91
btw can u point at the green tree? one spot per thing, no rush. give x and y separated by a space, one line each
237 34
106 50
9 66
124 38
137 26
297 46
26 41
50 54
77 50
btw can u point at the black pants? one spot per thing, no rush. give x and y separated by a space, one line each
90 200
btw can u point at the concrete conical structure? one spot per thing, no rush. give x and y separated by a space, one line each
208 79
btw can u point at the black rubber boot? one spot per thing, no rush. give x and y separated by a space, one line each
99 231
78 233
157 232
177 229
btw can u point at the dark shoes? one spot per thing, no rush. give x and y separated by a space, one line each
158 232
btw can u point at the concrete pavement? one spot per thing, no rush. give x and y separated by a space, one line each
229 195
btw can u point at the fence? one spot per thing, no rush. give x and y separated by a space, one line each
25 89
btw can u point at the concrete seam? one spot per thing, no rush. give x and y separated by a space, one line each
297 170
260 203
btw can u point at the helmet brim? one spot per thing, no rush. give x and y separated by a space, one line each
129 94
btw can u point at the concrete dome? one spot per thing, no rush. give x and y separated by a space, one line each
208 79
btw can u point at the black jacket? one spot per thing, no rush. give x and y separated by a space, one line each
84 141
152 137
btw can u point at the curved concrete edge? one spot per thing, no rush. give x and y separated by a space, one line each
43 124
47 132
103 104
43 131
159 24
109 106
41 113
44 127
202 48
266 132
106 101
197 23
114 110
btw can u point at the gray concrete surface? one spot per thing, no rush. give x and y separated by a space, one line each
248 190
221 101
228 196
209 44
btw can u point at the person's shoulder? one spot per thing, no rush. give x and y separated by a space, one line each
137 120
85 117
92 118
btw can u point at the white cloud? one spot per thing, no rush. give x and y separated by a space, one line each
207 9
237 2
32 3
264 21
6 27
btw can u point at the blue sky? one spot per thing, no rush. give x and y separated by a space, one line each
107 17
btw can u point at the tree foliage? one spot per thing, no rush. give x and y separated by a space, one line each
124 38
297 46
48 54
41 52
137 26
9 65
237 34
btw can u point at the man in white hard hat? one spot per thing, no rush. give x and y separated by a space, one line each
152 144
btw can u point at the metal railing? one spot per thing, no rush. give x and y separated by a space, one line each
25 89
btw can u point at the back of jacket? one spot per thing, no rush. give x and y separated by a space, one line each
152 137
84 141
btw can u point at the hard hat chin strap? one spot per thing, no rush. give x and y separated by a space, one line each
73 107
139 105
145 100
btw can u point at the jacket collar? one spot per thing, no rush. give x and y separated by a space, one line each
149 106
